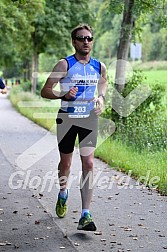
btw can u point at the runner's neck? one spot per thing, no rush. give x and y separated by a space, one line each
82 59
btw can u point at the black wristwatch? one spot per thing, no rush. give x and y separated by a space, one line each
102 96
62 96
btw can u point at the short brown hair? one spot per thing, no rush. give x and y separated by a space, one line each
81 27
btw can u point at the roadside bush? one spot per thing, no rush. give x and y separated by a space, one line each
145 127
26 86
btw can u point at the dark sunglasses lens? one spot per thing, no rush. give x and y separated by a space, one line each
90 39
82 39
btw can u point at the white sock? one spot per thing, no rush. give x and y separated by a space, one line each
84 211
63 193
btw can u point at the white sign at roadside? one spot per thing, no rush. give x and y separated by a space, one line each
135 51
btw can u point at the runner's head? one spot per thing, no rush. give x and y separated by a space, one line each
79 28
82 39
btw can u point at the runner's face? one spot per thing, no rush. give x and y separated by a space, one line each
83 47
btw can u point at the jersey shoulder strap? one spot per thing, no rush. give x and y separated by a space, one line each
96 64
71 60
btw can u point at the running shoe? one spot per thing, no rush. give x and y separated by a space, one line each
61 206
86 223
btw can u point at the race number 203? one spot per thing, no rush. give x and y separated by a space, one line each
79 109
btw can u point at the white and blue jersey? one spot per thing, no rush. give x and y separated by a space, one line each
85 77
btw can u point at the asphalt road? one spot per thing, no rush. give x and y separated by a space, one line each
129 217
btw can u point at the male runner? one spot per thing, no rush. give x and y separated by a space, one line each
80 77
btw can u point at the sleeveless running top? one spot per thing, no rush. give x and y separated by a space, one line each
85 77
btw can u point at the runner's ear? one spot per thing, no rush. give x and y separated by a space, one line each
73 42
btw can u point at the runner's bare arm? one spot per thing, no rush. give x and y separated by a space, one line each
102 84
58 72
102 87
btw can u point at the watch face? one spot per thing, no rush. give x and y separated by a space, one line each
102 96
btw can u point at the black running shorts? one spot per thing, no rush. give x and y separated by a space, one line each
69 128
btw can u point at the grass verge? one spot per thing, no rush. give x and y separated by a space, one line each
150 168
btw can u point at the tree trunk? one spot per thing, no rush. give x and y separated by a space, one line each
27 71
124 44
34 79
35 56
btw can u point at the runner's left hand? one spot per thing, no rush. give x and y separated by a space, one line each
99 106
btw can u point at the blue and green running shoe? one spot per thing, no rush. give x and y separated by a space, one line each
86 223
61 206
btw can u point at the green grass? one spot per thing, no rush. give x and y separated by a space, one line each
155 73
123 158
40 111
150 65
156 76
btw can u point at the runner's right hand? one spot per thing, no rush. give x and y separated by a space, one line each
71 93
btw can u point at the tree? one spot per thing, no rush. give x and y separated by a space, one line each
105 45
16 18
133 11
107 28
29 28
164 45
52 29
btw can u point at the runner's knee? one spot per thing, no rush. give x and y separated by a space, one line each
87 164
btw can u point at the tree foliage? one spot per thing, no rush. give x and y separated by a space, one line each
135 17
43 26
29 28
150 15
16 26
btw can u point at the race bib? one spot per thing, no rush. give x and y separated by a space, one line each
80 109
81 106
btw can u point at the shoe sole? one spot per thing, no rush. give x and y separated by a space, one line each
63 215
59 215
89 227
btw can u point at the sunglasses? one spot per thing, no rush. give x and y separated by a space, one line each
84 38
